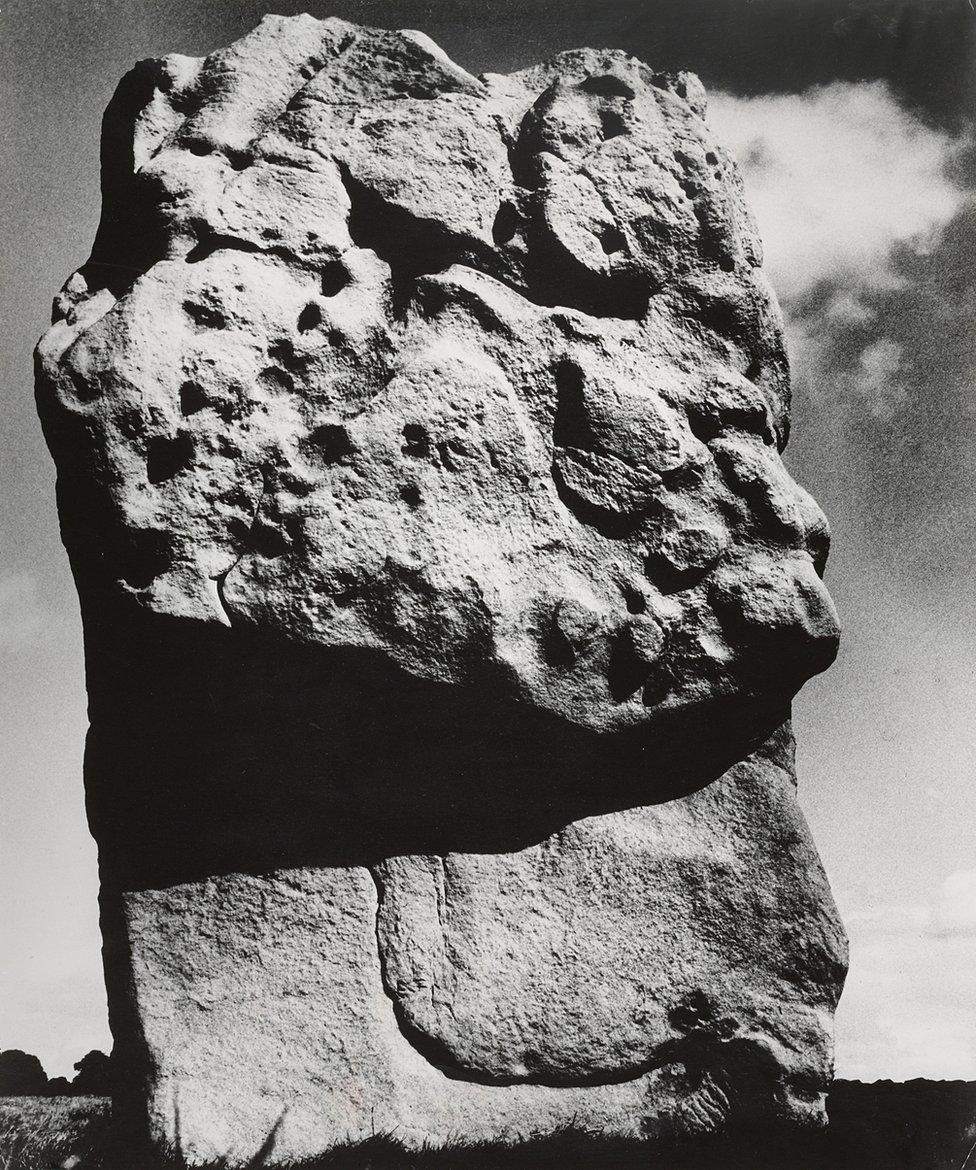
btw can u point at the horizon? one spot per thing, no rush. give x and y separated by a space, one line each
862 178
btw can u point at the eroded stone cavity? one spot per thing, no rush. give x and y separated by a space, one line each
418 440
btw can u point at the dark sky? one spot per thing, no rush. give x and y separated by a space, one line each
864 193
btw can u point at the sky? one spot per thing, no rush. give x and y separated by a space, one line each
853 121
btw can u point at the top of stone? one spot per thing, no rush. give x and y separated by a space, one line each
480 375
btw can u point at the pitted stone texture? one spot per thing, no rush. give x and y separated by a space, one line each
479 374
574 962
418 442
668 970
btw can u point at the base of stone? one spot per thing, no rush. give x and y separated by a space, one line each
657 972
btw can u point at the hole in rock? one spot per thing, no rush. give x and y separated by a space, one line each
283 352
690 188
606 85
146 554
626 671
309 317
335 277
206 316
268 541
199 148
571 427
85 390
668 578
166 456
312 66
704 424
192 397
635 601
276 379
657 686
612 124
555 647
417 440
333 441
612 239
721 316
347 597
695 1010
507 220
410 494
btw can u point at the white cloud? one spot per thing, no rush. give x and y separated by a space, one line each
844 183
874 378
877 377
846 308
838 177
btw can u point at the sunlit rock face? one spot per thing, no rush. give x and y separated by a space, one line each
418 440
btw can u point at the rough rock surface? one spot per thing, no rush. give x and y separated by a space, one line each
669 970
418 440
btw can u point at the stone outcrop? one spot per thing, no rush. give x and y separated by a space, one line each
418 441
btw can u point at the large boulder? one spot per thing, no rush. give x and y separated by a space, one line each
418 442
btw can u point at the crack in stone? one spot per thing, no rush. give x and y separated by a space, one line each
393 233
440 884
212 242
220 579
173 137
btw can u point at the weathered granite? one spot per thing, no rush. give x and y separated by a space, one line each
418 442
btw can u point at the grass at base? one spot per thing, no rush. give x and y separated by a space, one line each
41 1146
41 1133
919 1125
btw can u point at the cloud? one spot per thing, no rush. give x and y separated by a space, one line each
848 188
839 177
877 378
834 350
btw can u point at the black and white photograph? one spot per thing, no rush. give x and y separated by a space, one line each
487 609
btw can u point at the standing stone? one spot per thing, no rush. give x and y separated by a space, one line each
418 441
